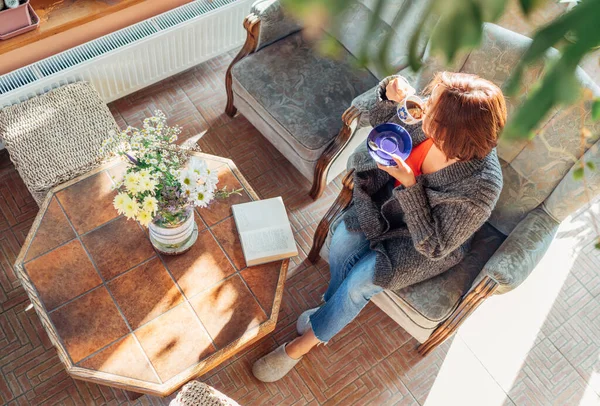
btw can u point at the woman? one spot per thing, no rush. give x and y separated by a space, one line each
412 221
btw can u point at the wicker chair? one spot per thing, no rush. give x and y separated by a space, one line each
196 393
55 137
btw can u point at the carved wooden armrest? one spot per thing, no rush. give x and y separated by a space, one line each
252 26
341 202
471 301
351 114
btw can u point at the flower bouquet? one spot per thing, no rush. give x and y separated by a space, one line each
163 182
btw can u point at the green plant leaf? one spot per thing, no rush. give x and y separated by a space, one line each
382 55
491 10
596 110
529 5
460 27
374 20
559 85
578 174
414 56
591 165
597 245
548 36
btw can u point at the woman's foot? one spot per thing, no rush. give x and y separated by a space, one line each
303 323
274 366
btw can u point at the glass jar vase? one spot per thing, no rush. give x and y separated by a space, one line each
174 239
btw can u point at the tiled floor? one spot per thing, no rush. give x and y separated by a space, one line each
537 345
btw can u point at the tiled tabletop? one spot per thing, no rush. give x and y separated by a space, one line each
119 313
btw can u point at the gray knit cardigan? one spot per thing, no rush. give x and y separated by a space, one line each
424 230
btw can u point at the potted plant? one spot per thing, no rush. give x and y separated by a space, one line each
14 15
163 183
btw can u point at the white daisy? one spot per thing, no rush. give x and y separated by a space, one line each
188 179
202 197
198 166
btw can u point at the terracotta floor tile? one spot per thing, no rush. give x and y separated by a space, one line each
88 203
54 230
118 246
262 280
124 358
202 266
89 323
62 274
145 292
228 237
228 310
174 341
221 208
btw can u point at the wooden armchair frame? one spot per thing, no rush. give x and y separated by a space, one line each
252 26
471 301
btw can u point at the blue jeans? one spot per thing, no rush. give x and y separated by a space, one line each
352 268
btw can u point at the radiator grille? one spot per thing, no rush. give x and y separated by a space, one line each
122 62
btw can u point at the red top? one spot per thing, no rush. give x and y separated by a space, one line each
416 158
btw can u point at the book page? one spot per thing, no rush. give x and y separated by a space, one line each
260 214
268 241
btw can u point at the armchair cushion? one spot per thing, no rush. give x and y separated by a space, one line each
274 23
436 298
512 263
430 302
302 93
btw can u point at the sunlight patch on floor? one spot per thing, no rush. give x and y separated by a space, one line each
504 329
491 347
462 380
590 397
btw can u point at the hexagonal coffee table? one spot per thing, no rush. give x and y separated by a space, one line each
122 315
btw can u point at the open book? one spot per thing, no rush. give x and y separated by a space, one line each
264 230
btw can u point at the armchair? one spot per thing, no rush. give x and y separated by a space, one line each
539 192
294 96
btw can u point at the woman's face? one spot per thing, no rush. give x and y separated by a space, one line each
428 108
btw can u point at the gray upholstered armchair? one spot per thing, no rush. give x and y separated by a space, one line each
295 97
539 192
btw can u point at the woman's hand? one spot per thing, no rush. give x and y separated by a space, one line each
398 89
402 172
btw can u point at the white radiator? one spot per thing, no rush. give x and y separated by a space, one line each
137 56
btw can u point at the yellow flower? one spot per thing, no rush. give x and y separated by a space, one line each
144 217
131 208
146 184
150 204
131 182
145 174
119 202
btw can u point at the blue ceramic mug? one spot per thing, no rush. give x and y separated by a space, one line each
404 113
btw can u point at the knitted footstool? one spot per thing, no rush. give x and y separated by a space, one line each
196 393
55 137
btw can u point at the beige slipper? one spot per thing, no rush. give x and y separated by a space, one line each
274 366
